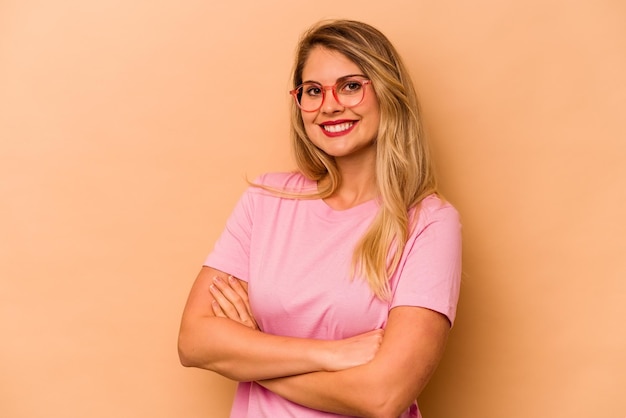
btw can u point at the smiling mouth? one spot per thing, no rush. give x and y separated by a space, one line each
340 127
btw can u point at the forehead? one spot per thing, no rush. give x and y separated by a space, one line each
326 66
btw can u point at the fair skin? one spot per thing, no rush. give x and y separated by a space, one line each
354 150
376 374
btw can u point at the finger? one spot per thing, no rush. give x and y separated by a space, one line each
217 310
242 292
234 299
226 306
231 303
223 308
238 288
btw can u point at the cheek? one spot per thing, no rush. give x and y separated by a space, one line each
307 118
375 118
309 125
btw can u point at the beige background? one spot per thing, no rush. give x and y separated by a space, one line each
127 129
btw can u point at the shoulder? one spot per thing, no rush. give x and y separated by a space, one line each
434 208
435 212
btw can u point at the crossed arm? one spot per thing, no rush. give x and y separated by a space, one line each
376 374
234 347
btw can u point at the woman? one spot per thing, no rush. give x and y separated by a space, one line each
332 289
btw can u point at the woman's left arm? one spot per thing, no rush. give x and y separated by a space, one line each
412 346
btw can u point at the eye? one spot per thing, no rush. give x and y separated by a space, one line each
312 90
350 87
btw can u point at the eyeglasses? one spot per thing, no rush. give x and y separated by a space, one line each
348 92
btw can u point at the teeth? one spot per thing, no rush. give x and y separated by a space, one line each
338 128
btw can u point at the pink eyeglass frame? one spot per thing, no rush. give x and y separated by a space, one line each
294 93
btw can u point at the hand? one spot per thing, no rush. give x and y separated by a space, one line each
354 351
231 301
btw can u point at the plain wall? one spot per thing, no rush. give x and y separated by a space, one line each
127 130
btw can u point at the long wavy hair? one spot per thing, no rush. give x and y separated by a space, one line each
404 173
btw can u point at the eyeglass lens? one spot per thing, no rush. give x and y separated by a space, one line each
310 96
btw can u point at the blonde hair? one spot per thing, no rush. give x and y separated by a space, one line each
404 174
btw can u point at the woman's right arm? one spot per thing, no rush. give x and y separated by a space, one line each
241 353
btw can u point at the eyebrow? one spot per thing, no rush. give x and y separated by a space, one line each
338 80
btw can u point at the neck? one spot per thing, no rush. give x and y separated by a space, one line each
358 184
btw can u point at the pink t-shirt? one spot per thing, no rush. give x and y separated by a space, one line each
296 256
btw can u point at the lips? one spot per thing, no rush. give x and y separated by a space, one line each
337 128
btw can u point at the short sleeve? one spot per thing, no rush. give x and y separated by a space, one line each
431 273
231 253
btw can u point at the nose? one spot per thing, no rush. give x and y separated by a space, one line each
330 104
